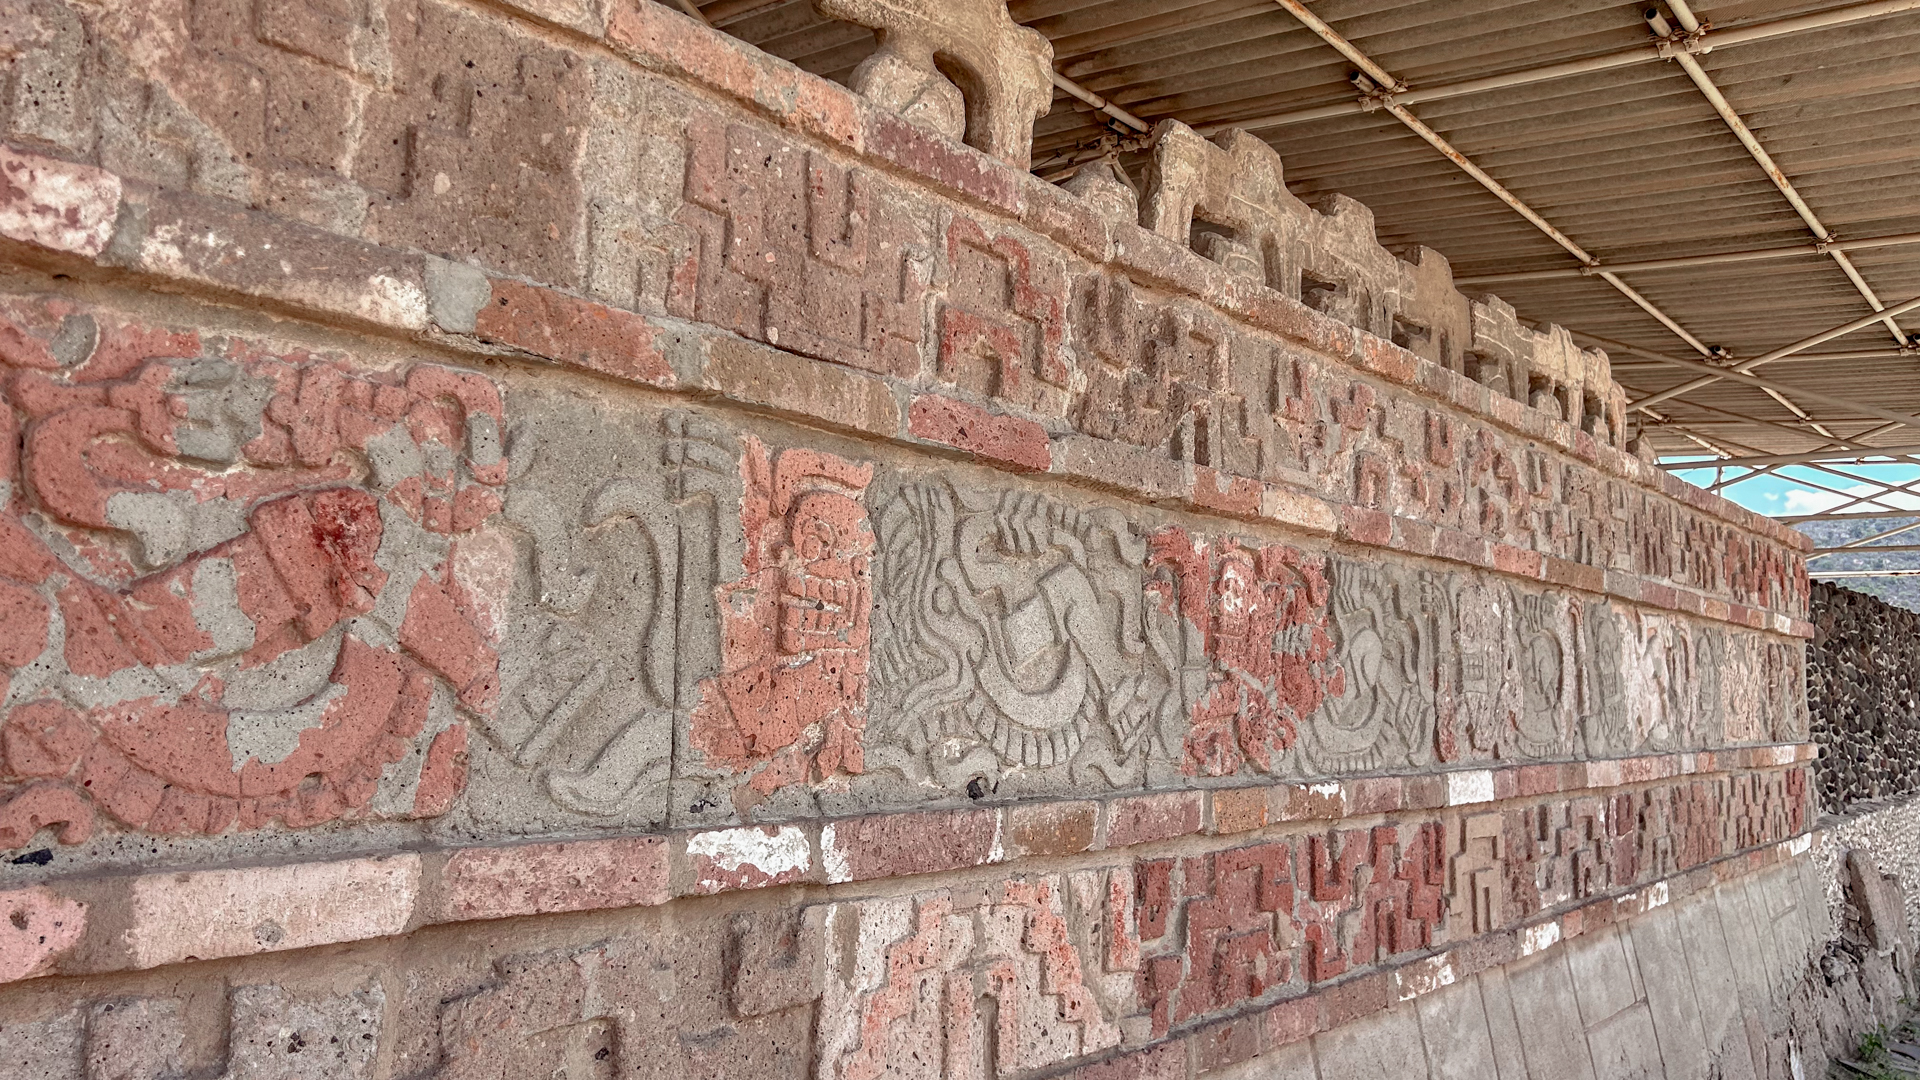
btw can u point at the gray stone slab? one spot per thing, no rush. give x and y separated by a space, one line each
1554 1039
1671 996
43 1049
1496 998
1603 974
1291 1062
1626 1048
1752 951
1386 1044
1453 1023
1716 986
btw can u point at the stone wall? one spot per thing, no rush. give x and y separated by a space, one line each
537 533
1863 688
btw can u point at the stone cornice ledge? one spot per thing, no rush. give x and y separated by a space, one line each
138 920
197 242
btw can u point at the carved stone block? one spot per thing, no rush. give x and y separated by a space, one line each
1005 70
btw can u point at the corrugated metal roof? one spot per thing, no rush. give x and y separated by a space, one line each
1632 162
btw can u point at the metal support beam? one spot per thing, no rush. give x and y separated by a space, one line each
1099 103
1688 261
1377 85
1739 371
1735 375
1682 53
1718 39
1878 497
1864 515
1856 456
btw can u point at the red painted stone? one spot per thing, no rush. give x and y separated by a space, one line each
791 702
572 331
1241 600
967 427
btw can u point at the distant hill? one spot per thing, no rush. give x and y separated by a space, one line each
1901 591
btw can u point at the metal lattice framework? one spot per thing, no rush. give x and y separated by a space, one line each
1744 410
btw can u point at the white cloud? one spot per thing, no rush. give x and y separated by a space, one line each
1816 502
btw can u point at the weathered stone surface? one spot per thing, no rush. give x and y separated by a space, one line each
1007 69
209 914
525 555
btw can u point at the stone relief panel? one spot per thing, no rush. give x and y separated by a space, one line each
788 247
621 531
1000 983
998 312
1261 616
243 586
1019 639
1005 975
788 708
1027 646
422 124
252 586
1382 715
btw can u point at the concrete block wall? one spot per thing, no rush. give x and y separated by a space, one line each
538 536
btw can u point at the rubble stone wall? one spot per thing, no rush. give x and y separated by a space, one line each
1862 669
538 536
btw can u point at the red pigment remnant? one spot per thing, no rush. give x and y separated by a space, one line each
908 962
108 424
999 328
37 925
444 774
791 703
1262 615
1382 894
1229 946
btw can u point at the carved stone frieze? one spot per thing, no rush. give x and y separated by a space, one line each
620 545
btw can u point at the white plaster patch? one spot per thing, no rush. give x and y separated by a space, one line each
1471 786
61 205
1424 977
832 859
392 302
482 566
784 850
1543 936
1658 895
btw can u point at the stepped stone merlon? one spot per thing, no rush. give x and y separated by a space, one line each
1227 198
1004 69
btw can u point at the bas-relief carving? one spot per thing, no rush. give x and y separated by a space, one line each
956 987
1026 646
242 586
786 246
1019 638
619 544
1262 617
787 711
1387 642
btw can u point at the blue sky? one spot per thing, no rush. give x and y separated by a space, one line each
1782 493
